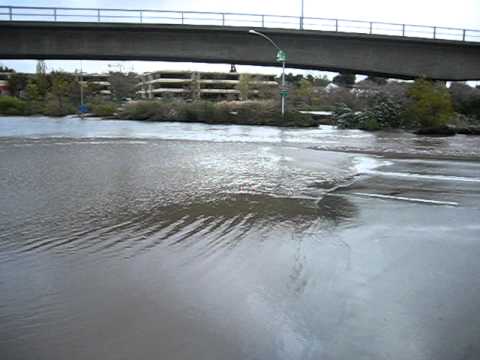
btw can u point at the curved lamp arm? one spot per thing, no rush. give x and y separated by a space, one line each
265 37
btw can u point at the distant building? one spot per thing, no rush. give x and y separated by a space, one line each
203 85
99 83
4 88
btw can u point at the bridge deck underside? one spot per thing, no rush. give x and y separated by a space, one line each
388 56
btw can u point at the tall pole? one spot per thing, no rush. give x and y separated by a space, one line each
281 56
283 88
301 17
81 89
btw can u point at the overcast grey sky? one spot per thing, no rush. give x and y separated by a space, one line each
448 13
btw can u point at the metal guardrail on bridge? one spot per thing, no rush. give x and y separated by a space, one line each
145 16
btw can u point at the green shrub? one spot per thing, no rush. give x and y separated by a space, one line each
140 110
296 119
150 110
466 99
58 106
203 111
10 105
104 109
385 114
371 124
345 117
233 112
429 105
34 107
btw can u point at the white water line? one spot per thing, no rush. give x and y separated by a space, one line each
422 176
402 198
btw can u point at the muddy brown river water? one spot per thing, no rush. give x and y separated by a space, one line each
130 240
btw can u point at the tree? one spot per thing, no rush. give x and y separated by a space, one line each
41 67
344 79
244 85
377 80
293 79
322 81
17 84
35 99
123 85
10 105
62 94
6 69
304 91
342 95
396 90
429 104
32 92
194 87
466 99
41 78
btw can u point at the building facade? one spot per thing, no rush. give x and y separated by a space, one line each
205 85
4 87
98 83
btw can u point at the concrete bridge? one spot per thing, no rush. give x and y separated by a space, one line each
370 53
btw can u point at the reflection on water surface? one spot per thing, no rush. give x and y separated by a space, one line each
187 241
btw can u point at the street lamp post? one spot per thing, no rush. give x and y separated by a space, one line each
281 57
82 108
81 84
301 18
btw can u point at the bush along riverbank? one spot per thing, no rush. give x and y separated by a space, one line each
58 94
425 107
12 106
225 112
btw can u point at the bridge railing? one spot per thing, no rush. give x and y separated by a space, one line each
146 16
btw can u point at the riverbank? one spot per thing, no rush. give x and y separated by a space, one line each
208 112
300 119
381 114
253 112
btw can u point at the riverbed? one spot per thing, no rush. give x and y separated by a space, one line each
134 240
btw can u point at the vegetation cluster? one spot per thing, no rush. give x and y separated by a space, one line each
423 104
370 104
58 93
376 104
251 112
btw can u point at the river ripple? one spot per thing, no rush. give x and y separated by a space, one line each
190 241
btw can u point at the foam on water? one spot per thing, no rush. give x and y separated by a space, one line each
414 176
367 164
